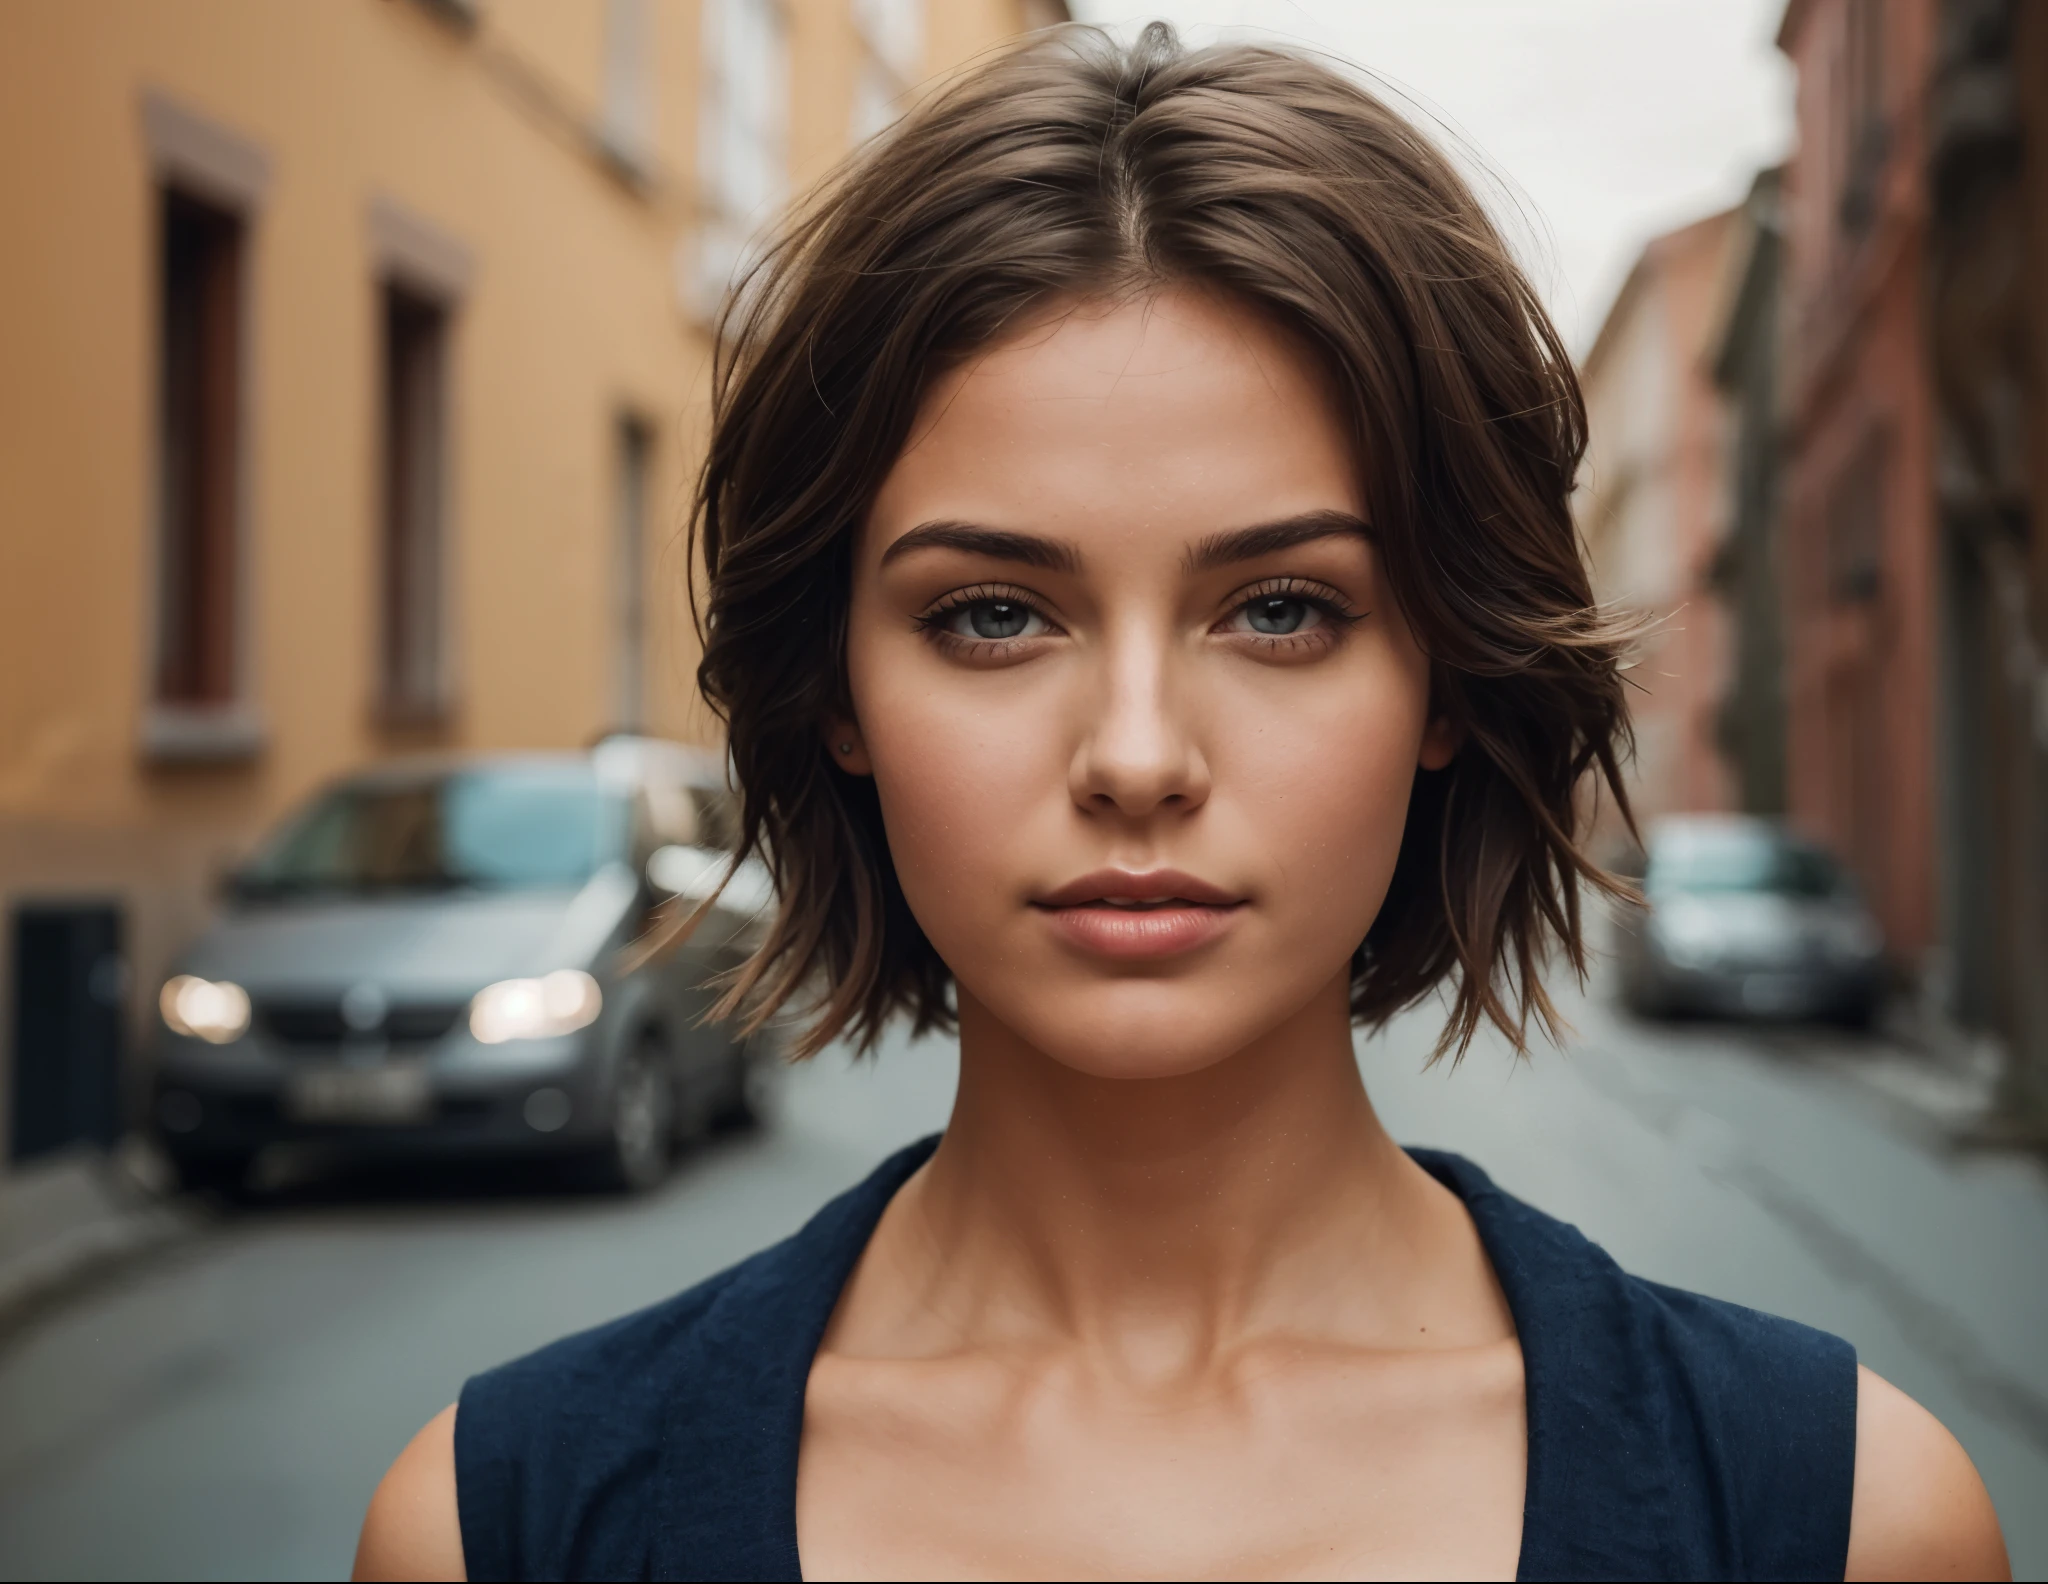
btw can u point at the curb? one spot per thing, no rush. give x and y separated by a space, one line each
138 1222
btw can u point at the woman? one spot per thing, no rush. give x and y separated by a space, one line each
1145 605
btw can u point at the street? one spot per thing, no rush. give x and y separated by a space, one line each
225 1410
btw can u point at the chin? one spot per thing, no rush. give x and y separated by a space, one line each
1139 1029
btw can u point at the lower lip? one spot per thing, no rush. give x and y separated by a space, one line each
1141 932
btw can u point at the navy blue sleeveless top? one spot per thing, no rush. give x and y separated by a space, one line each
1670 1436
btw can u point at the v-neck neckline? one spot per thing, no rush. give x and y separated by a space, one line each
1529 1276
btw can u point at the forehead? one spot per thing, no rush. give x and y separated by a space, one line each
1166 417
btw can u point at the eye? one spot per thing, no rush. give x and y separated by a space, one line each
1277 615
989 615
1289 613
994 619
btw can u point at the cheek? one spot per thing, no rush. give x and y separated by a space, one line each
963 772
1319 789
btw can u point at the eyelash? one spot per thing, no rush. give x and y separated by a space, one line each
1319 597
932 622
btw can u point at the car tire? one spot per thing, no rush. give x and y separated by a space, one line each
639 1146
226 1174
753 1087
1643 999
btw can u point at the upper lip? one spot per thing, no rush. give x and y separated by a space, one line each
1125 885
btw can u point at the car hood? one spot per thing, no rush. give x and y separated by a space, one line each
1761 918
410 946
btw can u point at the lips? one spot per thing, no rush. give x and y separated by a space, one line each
1121 913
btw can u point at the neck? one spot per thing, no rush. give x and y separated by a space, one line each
1213 1203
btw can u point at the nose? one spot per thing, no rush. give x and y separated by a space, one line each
1138 755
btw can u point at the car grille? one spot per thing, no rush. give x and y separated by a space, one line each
1803 955
320 1022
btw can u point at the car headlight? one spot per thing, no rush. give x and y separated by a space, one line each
558 1003
215 1010
1691 937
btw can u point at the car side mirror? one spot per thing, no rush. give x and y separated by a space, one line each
691 873
695 874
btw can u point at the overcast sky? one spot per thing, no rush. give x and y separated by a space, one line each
1609 120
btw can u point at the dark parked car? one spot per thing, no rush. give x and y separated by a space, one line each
1745 919
459 955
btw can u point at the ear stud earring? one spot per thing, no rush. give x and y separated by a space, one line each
846 748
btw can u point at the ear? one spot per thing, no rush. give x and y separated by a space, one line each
1441 740
847 748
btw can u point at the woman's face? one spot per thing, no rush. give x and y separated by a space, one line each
1140 706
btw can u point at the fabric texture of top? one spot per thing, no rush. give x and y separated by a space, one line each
1671 1436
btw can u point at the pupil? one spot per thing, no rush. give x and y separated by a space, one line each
1278 615
997 619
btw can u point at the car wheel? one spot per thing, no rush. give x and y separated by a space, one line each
753 1086
1643 999
639 1149
226 1174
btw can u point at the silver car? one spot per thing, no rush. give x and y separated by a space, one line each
470 955
1745 919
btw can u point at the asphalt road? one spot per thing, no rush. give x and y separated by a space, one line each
224 1411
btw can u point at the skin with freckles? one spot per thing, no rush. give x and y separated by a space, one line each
1144 716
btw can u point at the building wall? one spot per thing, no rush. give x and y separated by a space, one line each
1859 528
1651 505
578 306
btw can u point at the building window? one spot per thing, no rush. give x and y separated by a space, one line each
892 38
1864 131
626 123
205 197
1855 523
633 443
199 442
744 159
412 689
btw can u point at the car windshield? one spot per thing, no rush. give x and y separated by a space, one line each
497 829
1737 861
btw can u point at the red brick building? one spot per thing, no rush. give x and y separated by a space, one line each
1650 507
1913 519
1858 551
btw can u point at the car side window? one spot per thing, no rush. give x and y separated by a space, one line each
718 818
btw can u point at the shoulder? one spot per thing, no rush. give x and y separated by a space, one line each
1921 1511
411 1530
1670 1433
664 1443
547 1465
563 1447
1583 1313
1795 1382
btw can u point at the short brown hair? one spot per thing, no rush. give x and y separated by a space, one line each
1074 166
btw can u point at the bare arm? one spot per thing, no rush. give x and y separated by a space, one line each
412 1530
1920 1510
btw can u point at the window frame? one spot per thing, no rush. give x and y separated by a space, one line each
203 162
417 265
727 220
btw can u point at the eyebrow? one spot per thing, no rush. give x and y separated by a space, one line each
1248 544
998 544
1057 555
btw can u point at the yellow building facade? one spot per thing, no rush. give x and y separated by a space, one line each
353 359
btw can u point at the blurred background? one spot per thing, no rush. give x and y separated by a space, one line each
353 369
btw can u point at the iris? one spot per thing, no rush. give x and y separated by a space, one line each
1277 615
997 618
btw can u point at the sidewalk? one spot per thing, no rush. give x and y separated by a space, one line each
76 1214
